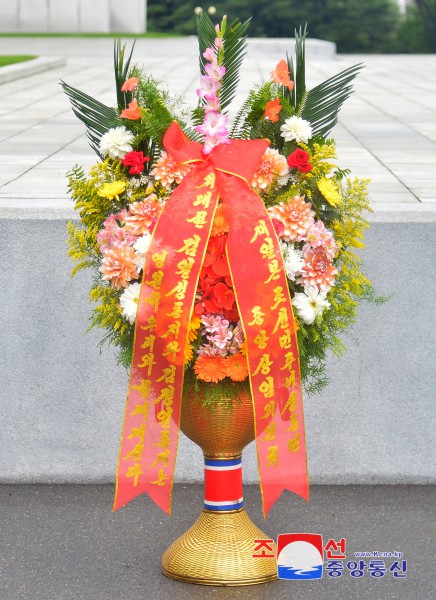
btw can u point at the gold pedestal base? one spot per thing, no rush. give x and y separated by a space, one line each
217 550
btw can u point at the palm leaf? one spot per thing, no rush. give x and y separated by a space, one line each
234 50
96 116
321 105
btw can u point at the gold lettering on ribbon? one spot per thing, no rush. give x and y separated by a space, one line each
272 457
270 409
179 290
156 280
164 441
154 300
171 350
136 453
177 311
274 269
137 432
291 380
147 361
168 374
264 365
208 181
258 316
135 472
143 388
190 245
267 387
289 361
148 342
159 259
285 340
151 324
161 479
293 423
270 433
291 403
259 229
294 443
279 297
166 395
261 339
162 457
199 220
283 320
185 267
173 329
141 409
267 249
203 199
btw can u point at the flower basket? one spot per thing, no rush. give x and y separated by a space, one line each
224 271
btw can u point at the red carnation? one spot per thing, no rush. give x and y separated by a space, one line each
299 159
136 161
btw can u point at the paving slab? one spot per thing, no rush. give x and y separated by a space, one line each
387 130
63 542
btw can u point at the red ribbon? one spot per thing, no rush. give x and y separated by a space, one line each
152 416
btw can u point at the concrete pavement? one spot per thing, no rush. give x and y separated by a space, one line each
387 129
63 543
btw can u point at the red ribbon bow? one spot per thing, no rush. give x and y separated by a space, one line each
174 260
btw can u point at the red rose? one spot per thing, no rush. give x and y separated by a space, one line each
299 159
136 161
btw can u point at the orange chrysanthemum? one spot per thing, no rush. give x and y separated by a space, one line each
210 368
272 166
132 112
237 367
219 225
295 215
272 109
143 214
167 171
118 266
281 75
318 270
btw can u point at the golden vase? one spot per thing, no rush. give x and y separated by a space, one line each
218 549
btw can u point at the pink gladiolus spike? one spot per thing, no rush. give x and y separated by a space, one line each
209 54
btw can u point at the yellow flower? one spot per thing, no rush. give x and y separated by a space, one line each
112 190
189 353
329 190
243 348
194 326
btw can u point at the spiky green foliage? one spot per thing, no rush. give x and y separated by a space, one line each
121 70
234 50
96 116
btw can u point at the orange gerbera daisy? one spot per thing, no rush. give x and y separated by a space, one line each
143 215
132 112
210 368
237 367
272 109
219 225
281 75
118 266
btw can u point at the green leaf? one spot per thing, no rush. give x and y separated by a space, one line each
322 104
96 116
121 70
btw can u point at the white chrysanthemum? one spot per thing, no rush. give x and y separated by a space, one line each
293 260
116 142
141 247
129 301
296 128
310 304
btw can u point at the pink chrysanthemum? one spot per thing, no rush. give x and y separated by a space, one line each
143 215
272 166
318 270
112 235
167 171
296 216
118 266
319 236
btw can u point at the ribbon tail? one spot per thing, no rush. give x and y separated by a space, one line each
152 416
264 304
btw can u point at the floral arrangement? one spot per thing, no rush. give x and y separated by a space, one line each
316 207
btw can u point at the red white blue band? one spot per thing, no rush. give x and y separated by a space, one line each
223 484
